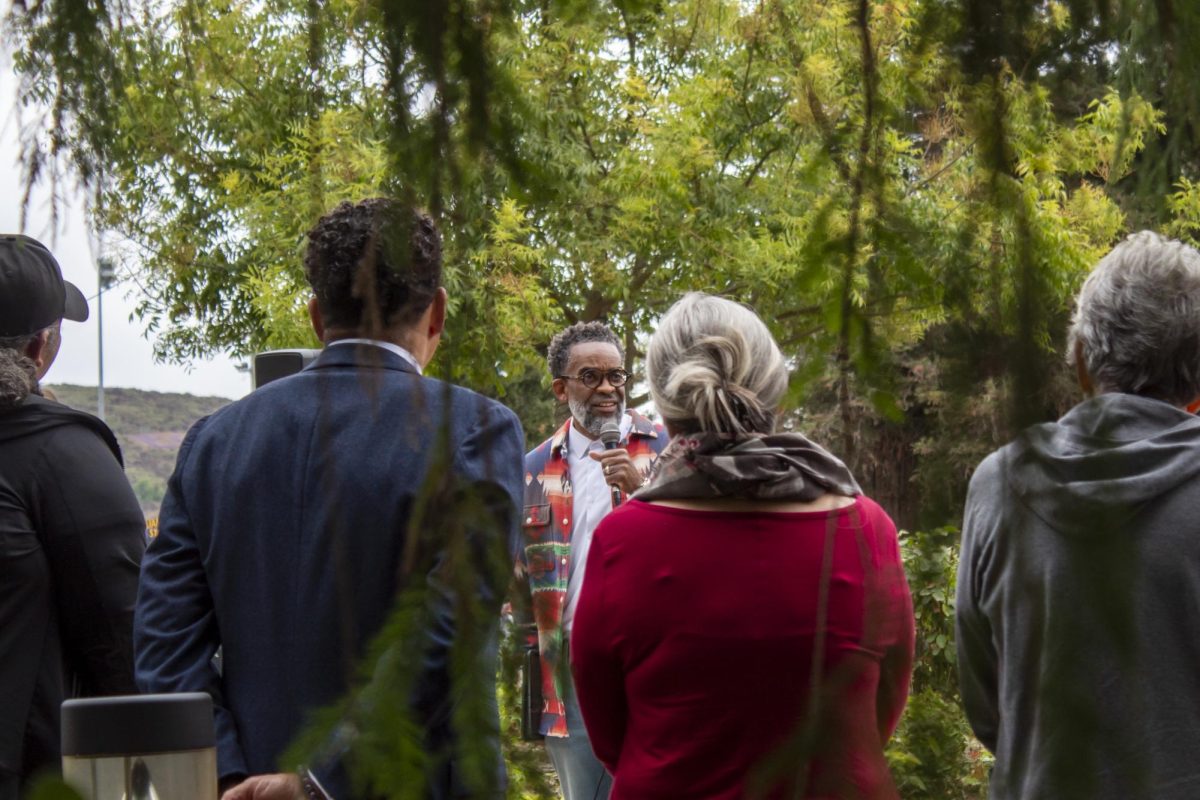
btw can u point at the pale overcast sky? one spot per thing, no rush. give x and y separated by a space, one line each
128 355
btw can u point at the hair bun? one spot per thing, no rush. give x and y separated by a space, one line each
713 364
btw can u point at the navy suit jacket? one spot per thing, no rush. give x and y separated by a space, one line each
281 540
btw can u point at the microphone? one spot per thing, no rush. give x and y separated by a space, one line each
610 437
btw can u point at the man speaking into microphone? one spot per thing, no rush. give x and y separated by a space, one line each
600 455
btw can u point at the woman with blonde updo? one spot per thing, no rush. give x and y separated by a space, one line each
746 628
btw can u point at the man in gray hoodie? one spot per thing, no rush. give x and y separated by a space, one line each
1079 583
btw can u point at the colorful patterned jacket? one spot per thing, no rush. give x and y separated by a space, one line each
545 558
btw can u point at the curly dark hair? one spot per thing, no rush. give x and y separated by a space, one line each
559 351
373 264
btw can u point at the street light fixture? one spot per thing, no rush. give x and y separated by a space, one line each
106 274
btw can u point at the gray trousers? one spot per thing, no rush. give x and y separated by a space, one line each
580 773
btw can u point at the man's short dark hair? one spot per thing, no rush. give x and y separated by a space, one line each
373 264
559 351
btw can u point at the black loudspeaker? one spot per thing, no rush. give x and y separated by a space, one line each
531 695
276 364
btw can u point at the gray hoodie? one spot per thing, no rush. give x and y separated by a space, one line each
1078 609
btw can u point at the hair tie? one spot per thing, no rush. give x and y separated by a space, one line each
742 412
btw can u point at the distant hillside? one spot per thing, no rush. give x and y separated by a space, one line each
149 426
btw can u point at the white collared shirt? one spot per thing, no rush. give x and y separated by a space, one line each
391 346
591 499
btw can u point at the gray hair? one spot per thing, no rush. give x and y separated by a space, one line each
1137 320
18 375
713 366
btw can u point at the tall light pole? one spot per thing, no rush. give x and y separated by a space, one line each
106 276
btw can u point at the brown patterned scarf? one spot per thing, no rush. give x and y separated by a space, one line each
780 466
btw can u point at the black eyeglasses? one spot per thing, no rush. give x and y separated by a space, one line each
592 378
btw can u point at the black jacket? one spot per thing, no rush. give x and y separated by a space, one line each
71 541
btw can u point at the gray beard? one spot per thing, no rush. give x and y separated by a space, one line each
592 422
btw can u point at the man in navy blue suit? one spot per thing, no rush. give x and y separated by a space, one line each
296 515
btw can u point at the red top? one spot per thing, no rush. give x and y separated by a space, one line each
695 640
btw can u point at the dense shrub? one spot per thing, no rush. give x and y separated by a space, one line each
932 753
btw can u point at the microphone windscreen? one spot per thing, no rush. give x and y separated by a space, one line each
610 435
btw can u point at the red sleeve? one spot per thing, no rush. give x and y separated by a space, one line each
599 675
895 672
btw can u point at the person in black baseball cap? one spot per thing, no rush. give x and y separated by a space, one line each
74 532
33 294
34 299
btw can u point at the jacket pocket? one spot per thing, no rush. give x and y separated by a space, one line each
536 516
547 565
545 556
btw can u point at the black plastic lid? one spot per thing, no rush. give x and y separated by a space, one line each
137 724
